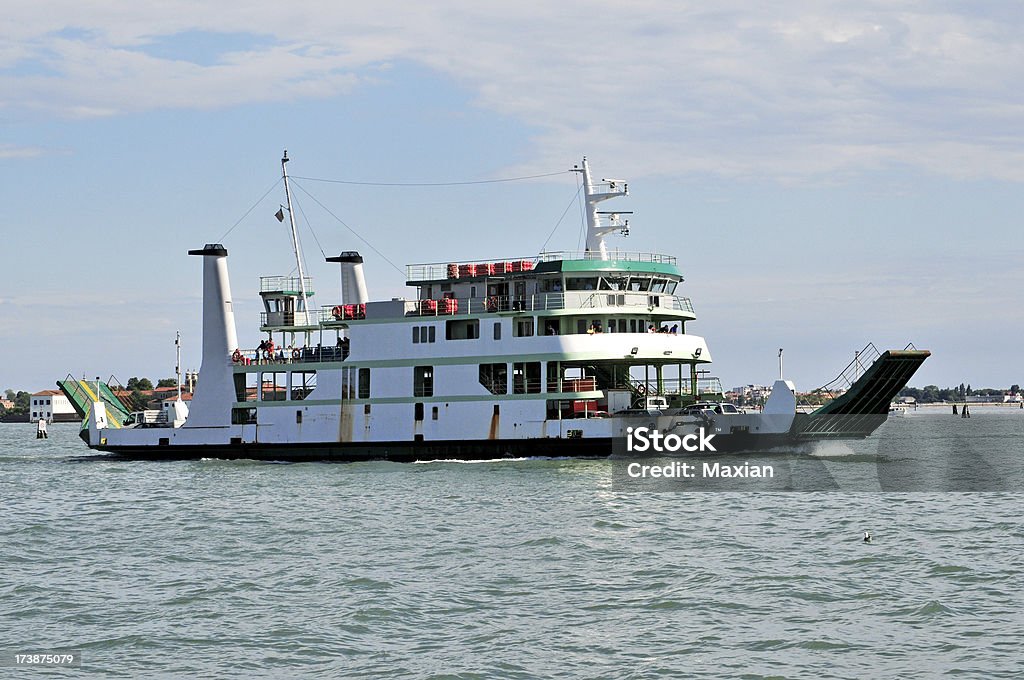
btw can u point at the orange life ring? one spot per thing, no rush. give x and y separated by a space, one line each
236 356
492 303
337 312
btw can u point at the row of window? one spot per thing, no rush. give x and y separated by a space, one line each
469 329
297 385
554 285
355 382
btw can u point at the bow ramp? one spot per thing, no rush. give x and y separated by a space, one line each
84 393
861 394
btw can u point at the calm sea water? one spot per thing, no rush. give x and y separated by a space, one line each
514 569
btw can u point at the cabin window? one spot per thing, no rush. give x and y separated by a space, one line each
364 383
243 416
497 330
347 383
423 382
303 382
418 411
423 334
494 377
246 386
581 283
639 284
549 285
581 325
524 328
670 287
462 329
552 377
526 377
433 413
274 386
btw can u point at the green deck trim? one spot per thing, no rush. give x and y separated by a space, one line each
620 266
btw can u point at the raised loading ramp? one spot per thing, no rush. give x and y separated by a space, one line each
861 394
82 394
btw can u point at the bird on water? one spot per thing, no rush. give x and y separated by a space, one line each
867 536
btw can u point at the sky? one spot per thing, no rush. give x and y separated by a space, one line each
828 173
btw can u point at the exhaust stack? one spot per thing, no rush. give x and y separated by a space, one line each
353 283
215 391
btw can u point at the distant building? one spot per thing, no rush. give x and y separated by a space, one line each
1013 398
6 404
51 406
750 394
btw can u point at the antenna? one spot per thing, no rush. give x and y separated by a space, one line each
781 375
599 224
177 360
295 235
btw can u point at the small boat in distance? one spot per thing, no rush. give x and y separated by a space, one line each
555 354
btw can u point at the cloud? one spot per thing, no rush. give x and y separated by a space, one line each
795 92
9 151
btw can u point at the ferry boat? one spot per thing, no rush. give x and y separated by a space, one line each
557 354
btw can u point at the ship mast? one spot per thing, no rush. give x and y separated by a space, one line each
601 223
295 237
177 363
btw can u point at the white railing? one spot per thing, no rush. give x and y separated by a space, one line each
281 284
613 255
606 300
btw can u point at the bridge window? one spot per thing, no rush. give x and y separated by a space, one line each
581 283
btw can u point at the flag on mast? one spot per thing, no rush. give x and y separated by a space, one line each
279 214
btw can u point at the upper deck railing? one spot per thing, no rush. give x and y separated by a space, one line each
285 284
622 302
436 271
613 255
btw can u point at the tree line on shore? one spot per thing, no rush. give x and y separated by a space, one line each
932 393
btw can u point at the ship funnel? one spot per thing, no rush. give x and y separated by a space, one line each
215 391
353 283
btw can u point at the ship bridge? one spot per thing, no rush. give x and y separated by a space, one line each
557 282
